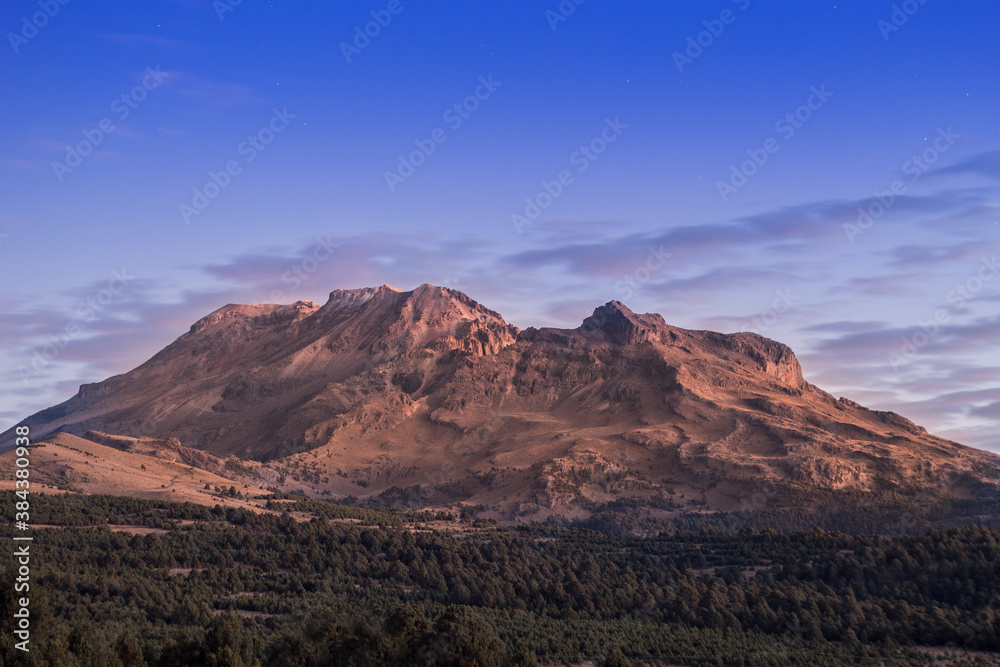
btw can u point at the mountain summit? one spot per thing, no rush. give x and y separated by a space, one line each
429 395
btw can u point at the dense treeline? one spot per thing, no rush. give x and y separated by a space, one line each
218 586
791 506
364 515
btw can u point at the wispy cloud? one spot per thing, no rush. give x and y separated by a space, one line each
982 164
16 163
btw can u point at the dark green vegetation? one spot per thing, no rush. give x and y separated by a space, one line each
228 587
892 509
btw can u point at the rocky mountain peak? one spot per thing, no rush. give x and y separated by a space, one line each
774 358
346 299
622 326
258 313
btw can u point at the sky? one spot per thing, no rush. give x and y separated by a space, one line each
823 173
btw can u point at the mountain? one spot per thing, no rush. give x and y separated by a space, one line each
426 397
65 462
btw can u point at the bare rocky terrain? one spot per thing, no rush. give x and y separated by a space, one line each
427 398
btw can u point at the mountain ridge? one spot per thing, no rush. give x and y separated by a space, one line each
429 394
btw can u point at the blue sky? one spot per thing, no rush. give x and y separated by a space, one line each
823 173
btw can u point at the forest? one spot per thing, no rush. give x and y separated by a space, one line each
120 581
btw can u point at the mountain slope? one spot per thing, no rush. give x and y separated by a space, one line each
427 397
230 383
70 464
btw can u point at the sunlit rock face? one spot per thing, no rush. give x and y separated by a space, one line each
382 388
